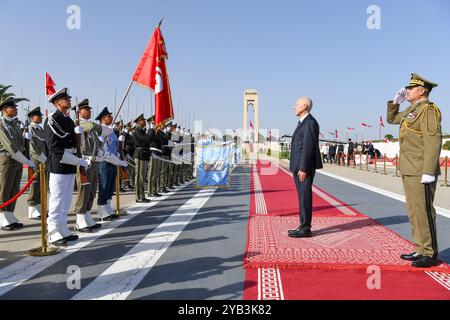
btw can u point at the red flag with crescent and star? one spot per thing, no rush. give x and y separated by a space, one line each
49 85
151 72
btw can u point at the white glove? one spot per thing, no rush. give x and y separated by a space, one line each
79 130
122 138
125 130
123 164
152 126
42 158
84 163
20 157
400 96
31 164
427 179
28 135
102 139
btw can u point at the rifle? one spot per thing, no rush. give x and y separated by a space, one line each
83 174
26 129
125 176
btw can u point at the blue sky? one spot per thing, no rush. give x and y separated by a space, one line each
217 49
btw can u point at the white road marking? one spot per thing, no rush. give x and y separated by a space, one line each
23 270
120 279
441 211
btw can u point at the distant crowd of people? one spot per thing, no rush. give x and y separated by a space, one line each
338 152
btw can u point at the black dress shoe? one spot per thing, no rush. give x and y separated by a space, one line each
59 243
426 262
96 226
8 228
72 237
164 190
302 233
295 231
17 225
111 217
157 195
411 257
85 230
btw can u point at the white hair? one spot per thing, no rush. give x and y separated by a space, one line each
308 101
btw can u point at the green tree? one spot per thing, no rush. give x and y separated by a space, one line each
389 137
446 145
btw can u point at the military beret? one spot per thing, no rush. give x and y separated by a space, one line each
104 112
141 117
417 80
63 93
8 102
35 112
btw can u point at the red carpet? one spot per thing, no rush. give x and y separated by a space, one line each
333 264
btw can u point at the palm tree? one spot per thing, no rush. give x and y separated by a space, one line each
4 95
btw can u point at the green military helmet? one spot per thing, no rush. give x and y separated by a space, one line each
417 80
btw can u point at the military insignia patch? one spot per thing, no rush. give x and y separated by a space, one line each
411 115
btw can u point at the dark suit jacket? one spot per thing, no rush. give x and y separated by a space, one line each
305 154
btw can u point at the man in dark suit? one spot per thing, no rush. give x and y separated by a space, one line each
305 160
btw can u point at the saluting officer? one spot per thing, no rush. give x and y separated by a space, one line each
38 154
420 148
92 150
62 163
142 157
12 159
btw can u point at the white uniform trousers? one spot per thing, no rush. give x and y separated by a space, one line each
61 190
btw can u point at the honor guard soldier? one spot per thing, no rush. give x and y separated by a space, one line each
108 168
142 157
12 159
187 155
38 154
180 151
154 165
166 153
128 153
62 163
420 148
93 151
175 158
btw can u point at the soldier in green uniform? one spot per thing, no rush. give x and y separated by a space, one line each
154 167
142 157
38 154
92 150
420 148
12 159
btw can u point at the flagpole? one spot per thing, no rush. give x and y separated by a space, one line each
45 95
123 101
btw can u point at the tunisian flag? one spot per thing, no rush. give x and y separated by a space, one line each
381 122
151 72
49 85
366 125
